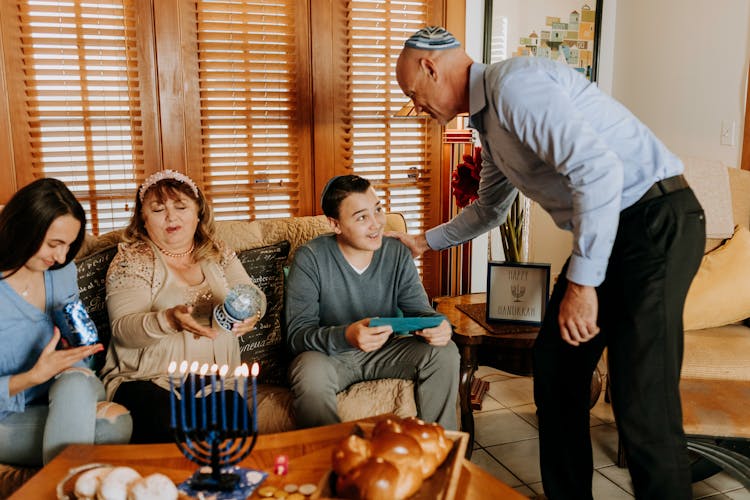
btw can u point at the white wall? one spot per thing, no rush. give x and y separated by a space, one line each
681 67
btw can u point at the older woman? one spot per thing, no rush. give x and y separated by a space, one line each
48 397
162 286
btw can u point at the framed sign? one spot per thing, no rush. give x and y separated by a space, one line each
517 292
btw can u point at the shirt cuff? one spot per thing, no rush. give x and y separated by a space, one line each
587 272
161 318
15 403
436 238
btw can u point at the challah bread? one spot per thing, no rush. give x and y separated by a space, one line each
410 447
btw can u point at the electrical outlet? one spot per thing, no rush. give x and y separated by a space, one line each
728 133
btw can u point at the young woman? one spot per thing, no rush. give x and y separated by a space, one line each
48 398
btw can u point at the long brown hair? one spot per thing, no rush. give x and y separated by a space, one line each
28 215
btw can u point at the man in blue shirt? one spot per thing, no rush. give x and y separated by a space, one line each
638 237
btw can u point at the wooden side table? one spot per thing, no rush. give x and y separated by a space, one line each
507 347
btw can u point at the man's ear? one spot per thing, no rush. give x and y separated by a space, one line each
334 223
428 66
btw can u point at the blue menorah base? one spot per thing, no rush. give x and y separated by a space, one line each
247 480
207 482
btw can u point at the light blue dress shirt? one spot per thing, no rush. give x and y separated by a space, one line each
25 331
548 131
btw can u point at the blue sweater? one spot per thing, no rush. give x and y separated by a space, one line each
24 333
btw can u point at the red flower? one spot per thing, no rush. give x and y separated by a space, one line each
465 182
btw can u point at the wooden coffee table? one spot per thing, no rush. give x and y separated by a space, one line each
308 450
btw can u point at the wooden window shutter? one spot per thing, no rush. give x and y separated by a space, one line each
254 93
400 156
82 108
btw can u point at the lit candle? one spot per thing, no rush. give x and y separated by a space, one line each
173 419
235 407
245 374
203 372
255 370
183 371
223 373
193 370
214 369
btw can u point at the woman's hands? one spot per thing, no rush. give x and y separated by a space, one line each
50 363
240 329
181 318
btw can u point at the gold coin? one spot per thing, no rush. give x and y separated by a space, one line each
296 496
307 489
280 494
290 488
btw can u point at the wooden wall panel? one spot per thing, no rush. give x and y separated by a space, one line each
746 135
7 167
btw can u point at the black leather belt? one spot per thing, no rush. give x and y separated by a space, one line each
664 186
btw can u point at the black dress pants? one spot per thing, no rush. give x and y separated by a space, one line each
656 253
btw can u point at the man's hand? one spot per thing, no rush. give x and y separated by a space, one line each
578 312
367 338
437 336
416 243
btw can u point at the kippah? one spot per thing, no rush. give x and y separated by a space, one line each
432 38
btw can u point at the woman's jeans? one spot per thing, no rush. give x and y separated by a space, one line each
36 435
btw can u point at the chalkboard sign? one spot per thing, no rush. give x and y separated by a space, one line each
92 276
265 344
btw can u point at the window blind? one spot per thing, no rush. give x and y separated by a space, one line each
395 153
83 102
251 154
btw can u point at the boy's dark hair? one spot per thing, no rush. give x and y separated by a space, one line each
337 189
28 215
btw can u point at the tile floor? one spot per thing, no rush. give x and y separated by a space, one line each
506 444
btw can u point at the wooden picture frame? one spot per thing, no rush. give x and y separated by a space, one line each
517 292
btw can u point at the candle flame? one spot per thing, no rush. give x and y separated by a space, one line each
194 367
256 369
238 371
245 370
183 367
214 368
204 369
223 370
172 367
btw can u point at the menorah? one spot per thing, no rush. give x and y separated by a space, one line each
213 441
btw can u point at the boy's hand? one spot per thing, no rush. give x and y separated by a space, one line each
437 336
367 338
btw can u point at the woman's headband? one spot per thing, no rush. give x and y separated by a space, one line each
166 174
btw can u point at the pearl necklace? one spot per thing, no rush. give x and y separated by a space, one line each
177 254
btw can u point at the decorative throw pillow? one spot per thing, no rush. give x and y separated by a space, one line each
720 292
92 277
265 344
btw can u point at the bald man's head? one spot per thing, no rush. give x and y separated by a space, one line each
432 71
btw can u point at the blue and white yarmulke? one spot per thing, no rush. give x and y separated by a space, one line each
432 38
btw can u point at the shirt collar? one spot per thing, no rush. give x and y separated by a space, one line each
477 98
